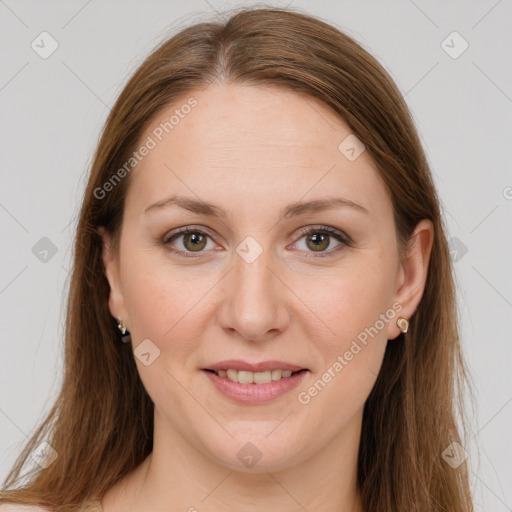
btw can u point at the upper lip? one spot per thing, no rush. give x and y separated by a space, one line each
238 364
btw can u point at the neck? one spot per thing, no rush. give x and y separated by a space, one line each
178 476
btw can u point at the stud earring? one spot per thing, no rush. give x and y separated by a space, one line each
403 324
125 334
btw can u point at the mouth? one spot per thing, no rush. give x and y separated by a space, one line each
250 377
262 384
254 383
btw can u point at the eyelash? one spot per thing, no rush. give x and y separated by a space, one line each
338 235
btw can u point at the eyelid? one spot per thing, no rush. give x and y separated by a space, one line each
340 235
186 229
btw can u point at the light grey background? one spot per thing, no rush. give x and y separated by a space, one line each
53 110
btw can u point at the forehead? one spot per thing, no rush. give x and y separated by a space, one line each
240 144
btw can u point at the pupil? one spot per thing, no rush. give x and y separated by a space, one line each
195 240
318 240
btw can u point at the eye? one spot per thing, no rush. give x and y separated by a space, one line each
318 239
194 240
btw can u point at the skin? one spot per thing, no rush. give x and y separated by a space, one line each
252 151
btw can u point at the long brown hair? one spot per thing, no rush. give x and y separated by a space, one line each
101 424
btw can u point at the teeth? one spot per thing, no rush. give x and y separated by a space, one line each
232 375
263 377
246 377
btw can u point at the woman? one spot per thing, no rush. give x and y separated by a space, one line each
261 230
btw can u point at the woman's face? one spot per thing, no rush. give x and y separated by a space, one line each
248 284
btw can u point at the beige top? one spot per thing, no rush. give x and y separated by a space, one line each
14 507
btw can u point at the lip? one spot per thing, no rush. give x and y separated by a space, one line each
253 394
239 364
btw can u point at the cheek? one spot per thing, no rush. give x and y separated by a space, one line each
349 299
354 312
164 305
167 309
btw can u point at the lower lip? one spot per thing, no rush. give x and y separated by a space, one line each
255 393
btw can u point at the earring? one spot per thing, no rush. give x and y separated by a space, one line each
403 324
125 334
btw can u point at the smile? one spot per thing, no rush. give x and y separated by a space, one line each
253 388
248 377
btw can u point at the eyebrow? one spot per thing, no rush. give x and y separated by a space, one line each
292 210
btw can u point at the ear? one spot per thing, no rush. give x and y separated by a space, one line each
116 302
413 273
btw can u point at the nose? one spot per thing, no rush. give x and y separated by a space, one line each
254 303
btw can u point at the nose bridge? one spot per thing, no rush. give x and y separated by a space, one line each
252 279
255 302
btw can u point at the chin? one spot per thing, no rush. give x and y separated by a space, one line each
259 453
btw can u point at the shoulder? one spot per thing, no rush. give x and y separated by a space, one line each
15 507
